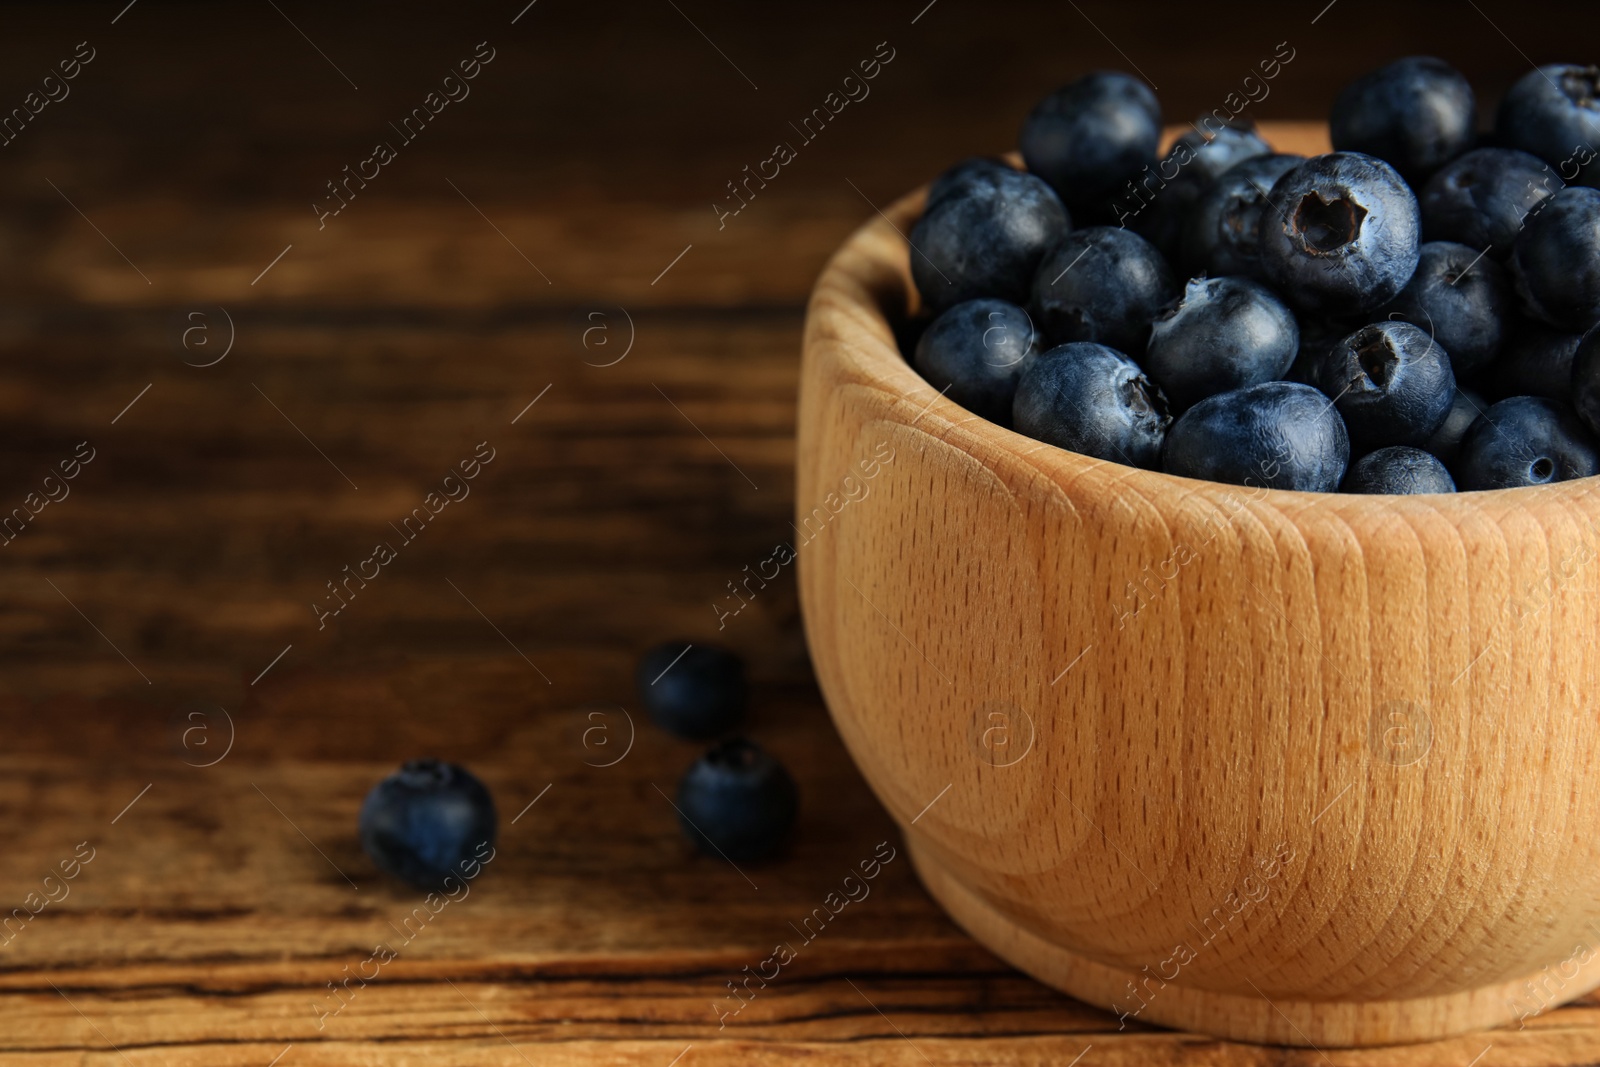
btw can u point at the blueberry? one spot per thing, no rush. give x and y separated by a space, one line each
1158 203
1556 260
1280 435
1586 380
1223 232
1317 337
1417 114
1553 112
1221 334
1445 443
963 174
1526 440
1399 470
1340 234
1460 296
975 352
985 237
1101 284
1391 382
1086 139
1481 199
692 691
427 822
737 802
1094 400
1537 361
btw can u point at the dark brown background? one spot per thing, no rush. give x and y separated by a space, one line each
397 338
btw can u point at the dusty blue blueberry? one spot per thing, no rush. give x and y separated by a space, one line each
1223 232
695 691
1553 112
1101 284
1221 334
1340 234
1556 260
1088 138
1398 470
1158 203
1481 199
1465 407
1391 382
1318 335
976 352
1585 383
968 171
1526 440
1462 298
428 821
985 238
737 802
1093 400
1278 435
1537 361
1416 113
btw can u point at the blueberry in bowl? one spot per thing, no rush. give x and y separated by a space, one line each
1095 401
1101 284
985 237
1161 214
1221 334
1482 198
1223 233
1277 435
968 172
1391 382
1556 260
1459 297
975 352
1090 137
1537 361
1416 114
1398 470
1526 440
1585 379
427 823
1465 407
1553 112
1341 234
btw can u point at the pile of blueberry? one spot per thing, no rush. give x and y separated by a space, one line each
1423 301
431 821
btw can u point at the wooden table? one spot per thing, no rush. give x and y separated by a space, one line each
538 273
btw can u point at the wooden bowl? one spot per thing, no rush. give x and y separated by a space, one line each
1286 767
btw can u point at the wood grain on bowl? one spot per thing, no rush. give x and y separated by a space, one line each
1300 768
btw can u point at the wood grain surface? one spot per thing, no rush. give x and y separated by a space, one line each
178 576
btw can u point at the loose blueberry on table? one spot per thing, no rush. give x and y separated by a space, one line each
737 802
427 822
694 691
1225 312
